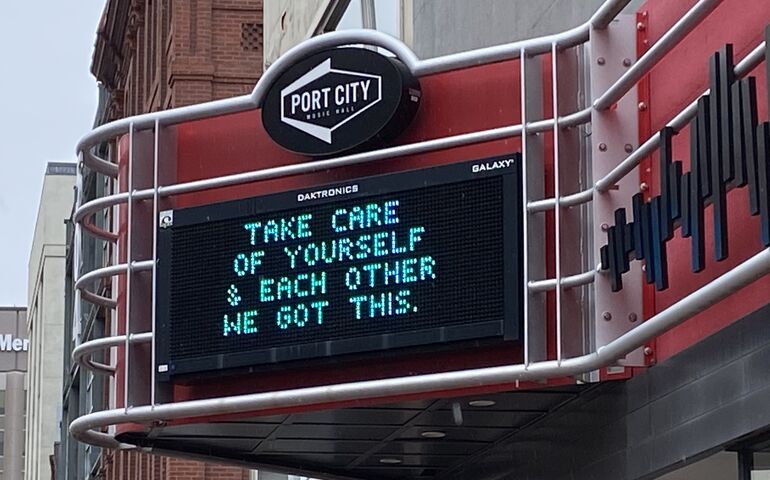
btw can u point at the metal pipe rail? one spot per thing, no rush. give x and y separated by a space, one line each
84 428
450 62
566 39
749 62
82 353
743 67
686 24
652 56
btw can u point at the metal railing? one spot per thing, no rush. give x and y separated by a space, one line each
85 428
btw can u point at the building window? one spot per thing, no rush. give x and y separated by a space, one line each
251 37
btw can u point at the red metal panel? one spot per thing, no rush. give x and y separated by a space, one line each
452 103
679 79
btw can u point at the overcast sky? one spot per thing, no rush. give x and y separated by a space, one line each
47 102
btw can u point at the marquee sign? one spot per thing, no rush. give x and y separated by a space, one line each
425 257
340 99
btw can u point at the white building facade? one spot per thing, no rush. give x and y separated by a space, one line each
45 318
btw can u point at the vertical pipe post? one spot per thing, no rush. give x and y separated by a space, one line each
154 252
524 194
556 196
129 261
368 14
533 224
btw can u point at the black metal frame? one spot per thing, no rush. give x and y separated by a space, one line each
508 328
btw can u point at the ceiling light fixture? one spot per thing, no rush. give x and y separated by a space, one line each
481 403
433 434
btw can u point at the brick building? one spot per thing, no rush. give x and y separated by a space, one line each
156 54
150 55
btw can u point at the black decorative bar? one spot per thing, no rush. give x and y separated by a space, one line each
739 140
726 80
717 157
685 218
763 174
665 152
728 149
749 103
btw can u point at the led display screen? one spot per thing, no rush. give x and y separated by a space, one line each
425 257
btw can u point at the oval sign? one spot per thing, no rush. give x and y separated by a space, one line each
339 100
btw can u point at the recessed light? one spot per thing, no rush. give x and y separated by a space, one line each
433 434
390 461
481 403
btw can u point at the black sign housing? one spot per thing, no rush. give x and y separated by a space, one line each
339 100
426 257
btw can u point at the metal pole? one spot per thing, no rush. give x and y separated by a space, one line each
368 15
129 260
154 253
556 196
607 13
525 196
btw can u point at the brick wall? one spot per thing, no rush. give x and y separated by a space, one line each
128 465
157 54
178 53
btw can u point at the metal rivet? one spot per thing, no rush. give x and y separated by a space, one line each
641 26
644 187
605 227
642 106
648 351
600 60
602 147
607 316
627 62
632 317
628 148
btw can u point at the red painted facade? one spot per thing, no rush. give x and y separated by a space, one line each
680 78
479 98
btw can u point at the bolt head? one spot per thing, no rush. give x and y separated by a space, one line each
607 316
648 351
632 317
627 62
644 187
641 26
601 61
605 227
602 147
628 148
642 106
